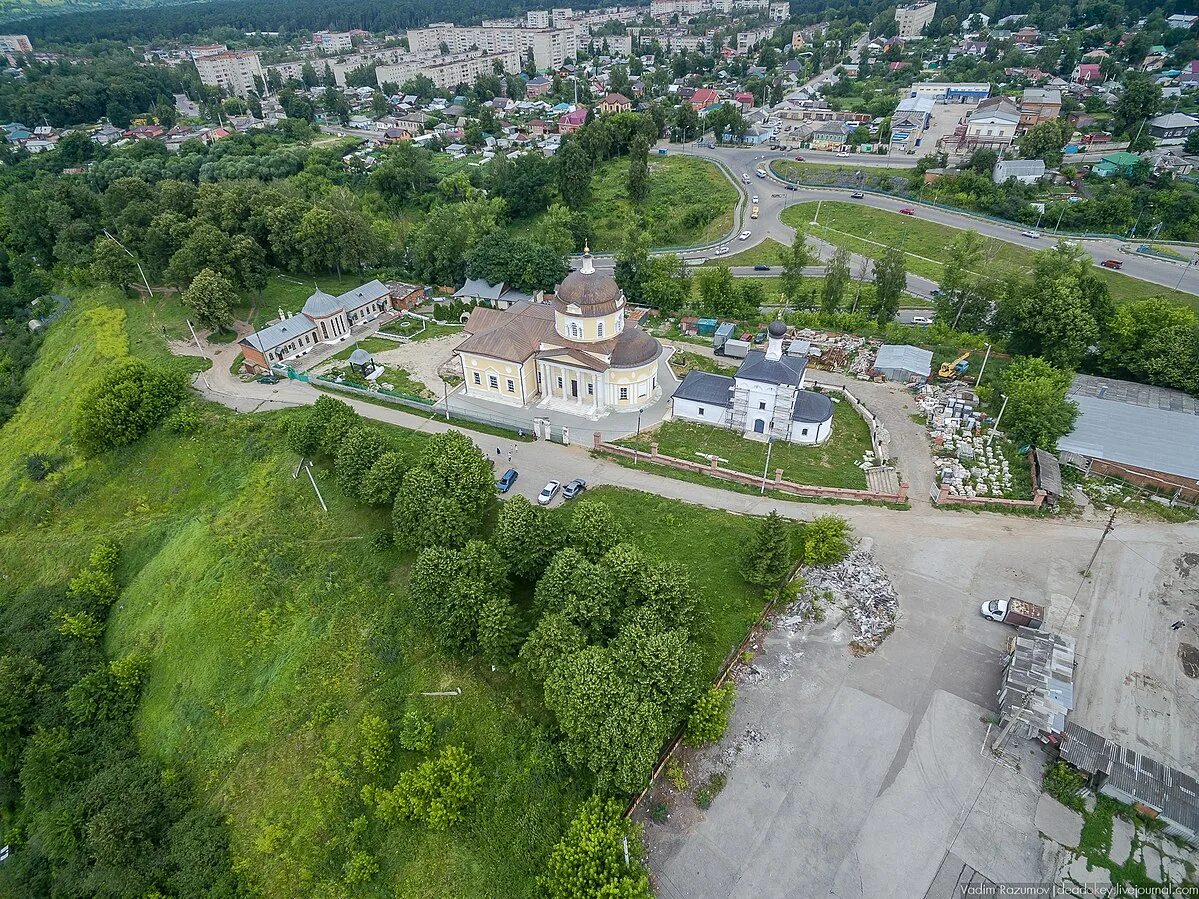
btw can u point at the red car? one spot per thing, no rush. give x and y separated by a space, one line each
799 159
907 210
1112 263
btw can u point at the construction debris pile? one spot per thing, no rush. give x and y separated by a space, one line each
834 351
858 586
966 462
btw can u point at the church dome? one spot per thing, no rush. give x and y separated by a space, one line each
778 328
592 292
634 348
320 305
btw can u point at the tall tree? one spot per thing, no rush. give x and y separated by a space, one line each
211 297
959 284
768 555
836 277
796 258
574 173
638 178
1038 411
890 278
632 263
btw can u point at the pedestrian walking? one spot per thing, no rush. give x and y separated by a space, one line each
1177 624
497 450
509 457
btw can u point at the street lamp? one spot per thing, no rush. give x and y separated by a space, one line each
769 447
998 419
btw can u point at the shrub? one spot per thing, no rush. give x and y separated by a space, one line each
825 540
38 466
660 813
710 715
187 419
376 743
360 868
709 791
767 558
434 793
590 859
677 776
416 732
127 401
1065 784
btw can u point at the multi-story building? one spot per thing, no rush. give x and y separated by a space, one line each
747 40
15 43
993 124
779 11
560 14
912 20
550 47
664 9
333 41
447 71
1038 105
538 18
238 72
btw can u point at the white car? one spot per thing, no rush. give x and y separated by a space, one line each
755 198
1035 235
745 177
548 492
720 251
842 155
744 235
921 320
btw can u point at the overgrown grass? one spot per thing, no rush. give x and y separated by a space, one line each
768 252
832 464
834 173
682 362
273 627
690 202
870 231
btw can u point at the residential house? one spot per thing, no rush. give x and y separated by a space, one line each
499 296
765 400
615 103
1116 163
1173 127
1086 73
993 124
828 137
1039 105
572 121
1026 171
703 98
539 86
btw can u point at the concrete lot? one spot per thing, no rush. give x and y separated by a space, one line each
867 778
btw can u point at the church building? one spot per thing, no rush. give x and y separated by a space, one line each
576 354
766 400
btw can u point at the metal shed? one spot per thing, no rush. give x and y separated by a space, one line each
903 362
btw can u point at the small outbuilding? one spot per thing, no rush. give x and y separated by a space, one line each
362 362
902 362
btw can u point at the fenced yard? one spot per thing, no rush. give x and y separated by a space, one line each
831 464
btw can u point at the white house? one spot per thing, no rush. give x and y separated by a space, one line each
765 400
1026 171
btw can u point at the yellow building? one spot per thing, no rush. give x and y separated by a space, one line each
573 355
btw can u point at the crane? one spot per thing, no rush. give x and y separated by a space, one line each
956 368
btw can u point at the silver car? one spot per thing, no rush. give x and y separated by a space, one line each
574 488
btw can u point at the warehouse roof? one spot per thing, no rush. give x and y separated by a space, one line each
1134 424
909 358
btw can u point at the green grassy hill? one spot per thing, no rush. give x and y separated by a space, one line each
273 628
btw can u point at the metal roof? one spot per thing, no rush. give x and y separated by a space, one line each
1142 436
1049 472
1038 686
811 406
906 357
479 288
279 333
705 387
787 370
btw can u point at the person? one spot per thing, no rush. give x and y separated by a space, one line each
509 457
1177 624
497 450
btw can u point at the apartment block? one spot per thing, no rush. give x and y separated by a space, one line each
779 12
448 71
912 20
538 18
234 71
333 41
15 43
747 40
550 47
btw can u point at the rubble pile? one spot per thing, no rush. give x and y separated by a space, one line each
859 586
965 462
834 351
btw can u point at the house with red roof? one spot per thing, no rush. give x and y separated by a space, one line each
1087 73
746 99
572 121
703 98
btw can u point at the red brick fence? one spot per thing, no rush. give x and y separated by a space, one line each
713 469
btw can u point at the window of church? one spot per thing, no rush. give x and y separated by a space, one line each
590 389
511 386
701 410
624 393
493 382
599 329
762 405
478 380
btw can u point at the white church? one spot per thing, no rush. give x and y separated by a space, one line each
765 400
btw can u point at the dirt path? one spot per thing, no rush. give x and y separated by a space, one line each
422 358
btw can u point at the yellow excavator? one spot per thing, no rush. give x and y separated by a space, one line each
956 368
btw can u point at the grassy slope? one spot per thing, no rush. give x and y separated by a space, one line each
272 628
926 241
690 202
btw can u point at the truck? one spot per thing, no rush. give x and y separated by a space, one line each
738 349
753 213
1016 612
722 335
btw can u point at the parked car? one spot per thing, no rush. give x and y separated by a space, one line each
800 159
921 320
268 379
1016 612
574 488
548 492
1112 263
755 198
1035 235
857 195
744 235
506 480
907 210
761 268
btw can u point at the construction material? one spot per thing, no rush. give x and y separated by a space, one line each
860 588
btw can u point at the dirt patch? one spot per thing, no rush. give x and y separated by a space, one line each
1188 657
423 359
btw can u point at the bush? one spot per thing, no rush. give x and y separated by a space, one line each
376 743
416 732
187 419
590 859
825 540
128 400
677 776
435 793
1065 784
709 791
38 466
660 813
710 716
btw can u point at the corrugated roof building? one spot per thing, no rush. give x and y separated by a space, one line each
901 362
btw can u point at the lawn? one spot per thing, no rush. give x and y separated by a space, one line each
832 464
768 252
925 242
690 202
370 344
407 327
272 628
843 174
682 361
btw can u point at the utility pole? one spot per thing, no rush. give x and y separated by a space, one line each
1108 528
135 262
998 419
979 381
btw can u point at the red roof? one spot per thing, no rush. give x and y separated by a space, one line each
1088 71
617 100
703 97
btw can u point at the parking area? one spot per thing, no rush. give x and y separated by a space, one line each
867 776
